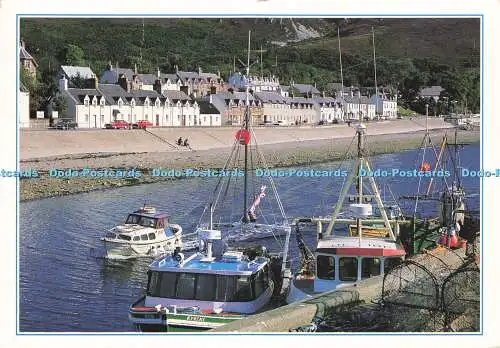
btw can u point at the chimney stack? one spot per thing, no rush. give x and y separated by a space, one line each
96 81
63 84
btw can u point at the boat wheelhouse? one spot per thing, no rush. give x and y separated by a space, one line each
202 291
145 232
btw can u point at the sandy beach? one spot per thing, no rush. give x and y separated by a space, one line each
44 150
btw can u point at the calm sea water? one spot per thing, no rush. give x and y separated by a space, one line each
63 288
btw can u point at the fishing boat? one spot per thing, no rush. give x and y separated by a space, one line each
367 246
145 233
224 280
454 224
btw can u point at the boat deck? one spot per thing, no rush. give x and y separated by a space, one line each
195 264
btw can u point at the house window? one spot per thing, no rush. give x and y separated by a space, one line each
86 102
86 118
146 116
94 102
102 101
102 119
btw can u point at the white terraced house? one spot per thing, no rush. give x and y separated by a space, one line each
328 109
277 108
385 107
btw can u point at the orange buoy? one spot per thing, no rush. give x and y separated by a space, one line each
243 136
424 167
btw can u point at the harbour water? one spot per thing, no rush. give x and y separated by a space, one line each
62 288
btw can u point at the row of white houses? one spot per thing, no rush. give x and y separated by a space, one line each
95 107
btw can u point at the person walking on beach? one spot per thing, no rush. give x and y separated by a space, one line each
179 141
186 143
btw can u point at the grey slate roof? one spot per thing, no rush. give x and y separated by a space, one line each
234 96
433 91
111 76
172 77
78 94
304 88
270 97
206 108
323 100
185 75
73 71
175 95
148 79
23 88
24 55
300 100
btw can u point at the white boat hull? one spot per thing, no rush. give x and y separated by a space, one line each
117 249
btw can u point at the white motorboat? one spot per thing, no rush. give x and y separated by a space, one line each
145 233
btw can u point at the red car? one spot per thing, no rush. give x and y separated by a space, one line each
142 124
118 124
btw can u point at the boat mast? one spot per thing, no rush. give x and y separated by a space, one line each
247 121
375 72
340 58
360 132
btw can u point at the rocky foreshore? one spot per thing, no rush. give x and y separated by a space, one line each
284 154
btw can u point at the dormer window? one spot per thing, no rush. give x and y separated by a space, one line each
120 102
146 102
102 101
132 102
94 101
157 103
86 101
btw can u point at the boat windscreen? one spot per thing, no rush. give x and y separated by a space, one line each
141 220
207 287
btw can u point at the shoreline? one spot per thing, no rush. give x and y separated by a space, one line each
278 155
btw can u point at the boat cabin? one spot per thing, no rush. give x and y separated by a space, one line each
343 261
172 281
147 217
137 226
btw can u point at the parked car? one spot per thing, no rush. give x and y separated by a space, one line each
266 123
143 124
65 123
282 123
118 124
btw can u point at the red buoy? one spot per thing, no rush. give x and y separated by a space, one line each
243 136
424 167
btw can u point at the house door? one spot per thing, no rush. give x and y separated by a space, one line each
157 120
95 121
